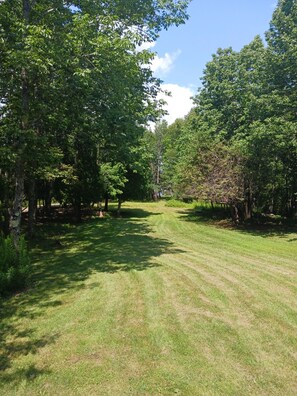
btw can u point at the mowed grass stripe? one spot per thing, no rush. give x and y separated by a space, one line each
201 344
206 327
155 304
243 275
218 317
264 271
269 289
193 234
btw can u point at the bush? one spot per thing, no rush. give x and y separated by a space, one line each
14 265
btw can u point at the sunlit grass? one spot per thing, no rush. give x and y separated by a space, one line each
155 302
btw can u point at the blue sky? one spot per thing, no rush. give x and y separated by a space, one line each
182 52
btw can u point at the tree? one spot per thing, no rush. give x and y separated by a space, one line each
157 149
60 68
281 38
244 118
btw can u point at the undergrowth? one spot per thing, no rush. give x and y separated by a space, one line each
14 265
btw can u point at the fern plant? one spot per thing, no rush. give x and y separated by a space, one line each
14 265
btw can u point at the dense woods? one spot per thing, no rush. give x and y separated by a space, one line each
238 146
76 92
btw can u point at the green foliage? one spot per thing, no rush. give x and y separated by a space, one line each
238 147
113 179
75 94
271 149
14 265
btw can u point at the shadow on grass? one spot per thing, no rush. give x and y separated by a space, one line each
268 231
15 343
29 373
65 256
221 218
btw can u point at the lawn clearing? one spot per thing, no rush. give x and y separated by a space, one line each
154 303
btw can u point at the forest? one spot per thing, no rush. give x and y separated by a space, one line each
238 146
77 94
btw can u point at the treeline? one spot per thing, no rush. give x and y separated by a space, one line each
238 146
76 92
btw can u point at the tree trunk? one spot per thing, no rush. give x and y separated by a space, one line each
247 208
77 210
292 207
106 203
16 210
248 203
235 214
119 208
100 212
48 198
32 208
6 219
246 211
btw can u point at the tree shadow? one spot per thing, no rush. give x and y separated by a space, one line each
135 213
64 257
216 216
72 252
29 373
221 219
15 343
268 231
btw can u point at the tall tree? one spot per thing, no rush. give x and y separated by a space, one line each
60 68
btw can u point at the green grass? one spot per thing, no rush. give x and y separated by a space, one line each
154 303
175 203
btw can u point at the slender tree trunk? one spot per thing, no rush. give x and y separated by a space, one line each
100 212
32 208
48 198
155 196
6 219
77 210
247 205
291 207
158 179
294 206
119 207
6 206
16 210
106 203
235 214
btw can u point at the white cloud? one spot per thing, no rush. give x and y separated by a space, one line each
163 64
179 103
146 46
160 65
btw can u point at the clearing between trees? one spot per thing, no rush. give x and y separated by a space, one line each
154 303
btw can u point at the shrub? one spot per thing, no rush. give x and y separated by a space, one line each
14 265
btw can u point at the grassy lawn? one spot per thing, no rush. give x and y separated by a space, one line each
154 303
